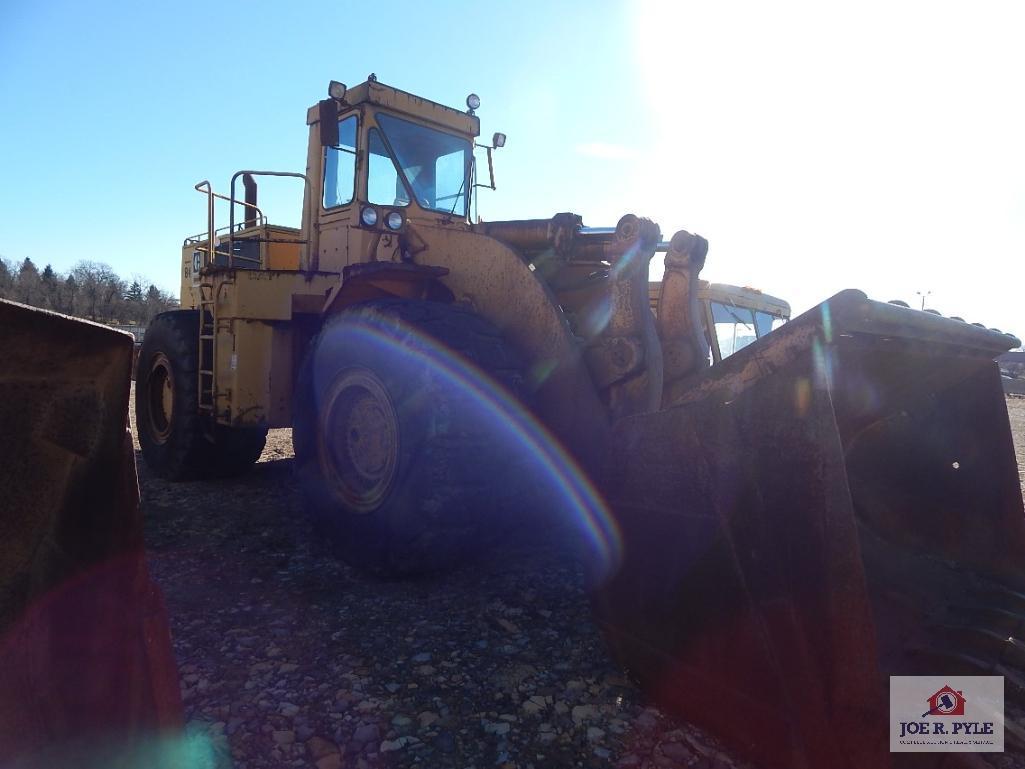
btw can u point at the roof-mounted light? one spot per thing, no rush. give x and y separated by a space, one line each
473 102
336 90
498 140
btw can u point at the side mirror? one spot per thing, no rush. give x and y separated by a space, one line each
328 123
498 140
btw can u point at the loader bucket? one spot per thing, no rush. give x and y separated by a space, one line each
87 672
836 503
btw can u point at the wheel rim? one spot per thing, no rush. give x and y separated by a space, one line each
161 398
358 440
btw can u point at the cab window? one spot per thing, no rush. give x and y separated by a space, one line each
384 186
340 166
734 328
435 164
737 327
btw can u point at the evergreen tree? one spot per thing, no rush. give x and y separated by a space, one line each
50 290
27 288
134 293
6 279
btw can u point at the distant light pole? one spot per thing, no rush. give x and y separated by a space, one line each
923 297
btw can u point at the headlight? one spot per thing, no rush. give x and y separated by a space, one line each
336 90
473 101
394 220
368 216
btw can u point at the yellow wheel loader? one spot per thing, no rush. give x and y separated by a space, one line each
771 532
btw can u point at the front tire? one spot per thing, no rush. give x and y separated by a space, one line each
404 466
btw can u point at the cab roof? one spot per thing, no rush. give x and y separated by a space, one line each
416 107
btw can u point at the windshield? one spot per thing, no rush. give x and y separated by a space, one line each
435 165
737 327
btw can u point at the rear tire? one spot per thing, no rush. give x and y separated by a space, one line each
400 468
172 432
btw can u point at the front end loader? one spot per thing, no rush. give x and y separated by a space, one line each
770 532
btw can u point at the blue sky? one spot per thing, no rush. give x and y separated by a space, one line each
817 146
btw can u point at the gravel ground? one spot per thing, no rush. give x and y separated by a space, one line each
290 658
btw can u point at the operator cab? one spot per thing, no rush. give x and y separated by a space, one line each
379 160
419 155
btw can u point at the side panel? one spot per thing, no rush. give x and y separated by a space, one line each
258 314
189 294
255 370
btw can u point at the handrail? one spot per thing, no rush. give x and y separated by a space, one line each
211 249
209 219
219 196
231 209
200 237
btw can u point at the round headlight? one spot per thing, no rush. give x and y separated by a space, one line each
368 216
473 101
393 220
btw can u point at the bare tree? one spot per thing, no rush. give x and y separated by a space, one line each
100 291
91 290
28 289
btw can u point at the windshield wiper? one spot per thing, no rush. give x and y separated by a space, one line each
457 195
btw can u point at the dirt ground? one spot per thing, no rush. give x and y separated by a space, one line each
290 658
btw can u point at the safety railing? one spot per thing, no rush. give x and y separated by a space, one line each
213 233
231 209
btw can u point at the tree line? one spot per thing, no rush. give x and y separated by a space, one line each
89 290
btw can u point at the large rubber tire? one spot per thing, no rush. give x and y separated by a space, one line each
402 452
171 429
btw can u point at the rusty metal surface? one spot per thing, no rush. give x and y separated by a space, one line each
378 280
792 531
679 314
83 630
625 356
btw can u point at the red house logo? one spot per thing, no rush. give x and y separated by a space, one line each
946 702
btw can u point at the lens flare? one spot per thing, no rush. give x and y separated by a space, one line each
552 469
626 261
827 323
822 356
